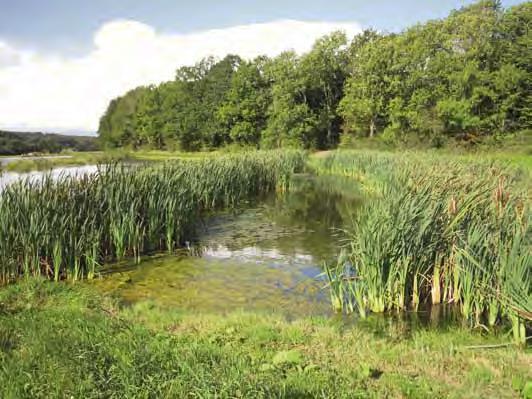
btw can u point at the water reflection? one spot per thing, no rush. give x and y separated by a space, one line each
304 224
266 256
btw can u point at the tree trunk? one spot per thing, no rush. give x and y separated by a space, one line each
372 128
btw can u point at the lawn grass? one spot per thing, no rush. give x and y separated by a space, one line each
63 340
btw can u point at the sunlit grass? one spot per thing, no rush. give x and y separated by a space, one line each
61 340
73 158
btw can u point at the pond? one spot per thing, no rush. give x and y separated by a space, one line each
265 256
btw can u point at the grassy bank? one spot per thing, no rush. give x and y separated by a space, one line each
59 340
66 228
72 158
517 150
513 148
437 229
65 159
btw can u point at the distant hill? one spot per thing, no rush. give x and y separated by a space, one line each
17 143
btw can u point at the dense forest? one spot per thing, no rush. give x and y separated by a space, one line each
15 143
467 76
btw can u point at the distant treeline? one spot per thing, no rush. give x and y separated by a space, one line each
467 76
16 143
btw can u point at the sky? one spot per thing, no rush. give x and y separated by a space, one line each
62 61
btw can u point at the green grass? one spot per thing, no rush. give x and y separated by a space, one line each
519 156
155 155
65 340
510 147
61 340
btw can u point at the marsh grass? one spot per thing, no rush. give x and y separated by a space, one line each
66 228
437 229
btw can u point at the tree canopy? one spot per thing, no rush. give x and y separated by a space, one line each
17 143
466 76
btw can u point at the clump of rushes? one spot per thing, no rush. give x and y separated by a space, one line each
66 228
435 230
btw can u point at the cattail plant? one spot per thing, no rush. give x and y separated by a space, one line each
438 230
66 228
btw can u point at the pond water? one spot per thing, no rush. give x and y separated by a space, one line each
7 178
266 256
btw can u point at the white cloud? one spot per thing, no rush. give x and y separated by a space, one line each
46 92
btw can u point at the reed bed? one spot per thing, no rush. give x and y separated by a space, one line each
434 230
66 228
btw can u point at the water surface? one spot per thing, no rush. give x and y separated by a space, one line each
7 178
266 256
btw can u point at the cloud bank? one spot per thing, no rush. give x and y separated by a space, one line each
40 91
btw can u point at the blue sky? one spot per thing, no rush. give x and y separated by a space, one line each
62 61
68 25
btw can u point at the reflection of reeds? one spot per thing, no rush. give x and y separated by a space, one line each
66 228
436 230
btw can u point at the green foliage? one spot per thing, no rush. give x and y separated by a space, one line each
460 77
324 68
289 101
290 122
243 113
464 77
117 125
14 143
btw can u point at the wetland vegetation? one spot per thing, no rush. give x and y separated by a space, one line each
64 228
239 305
209 253
435 229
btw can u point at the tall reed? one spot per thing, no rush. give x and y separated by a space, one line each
66 228
436 229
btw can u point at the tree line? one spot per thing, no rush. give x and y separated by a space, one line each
467 76
17 143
